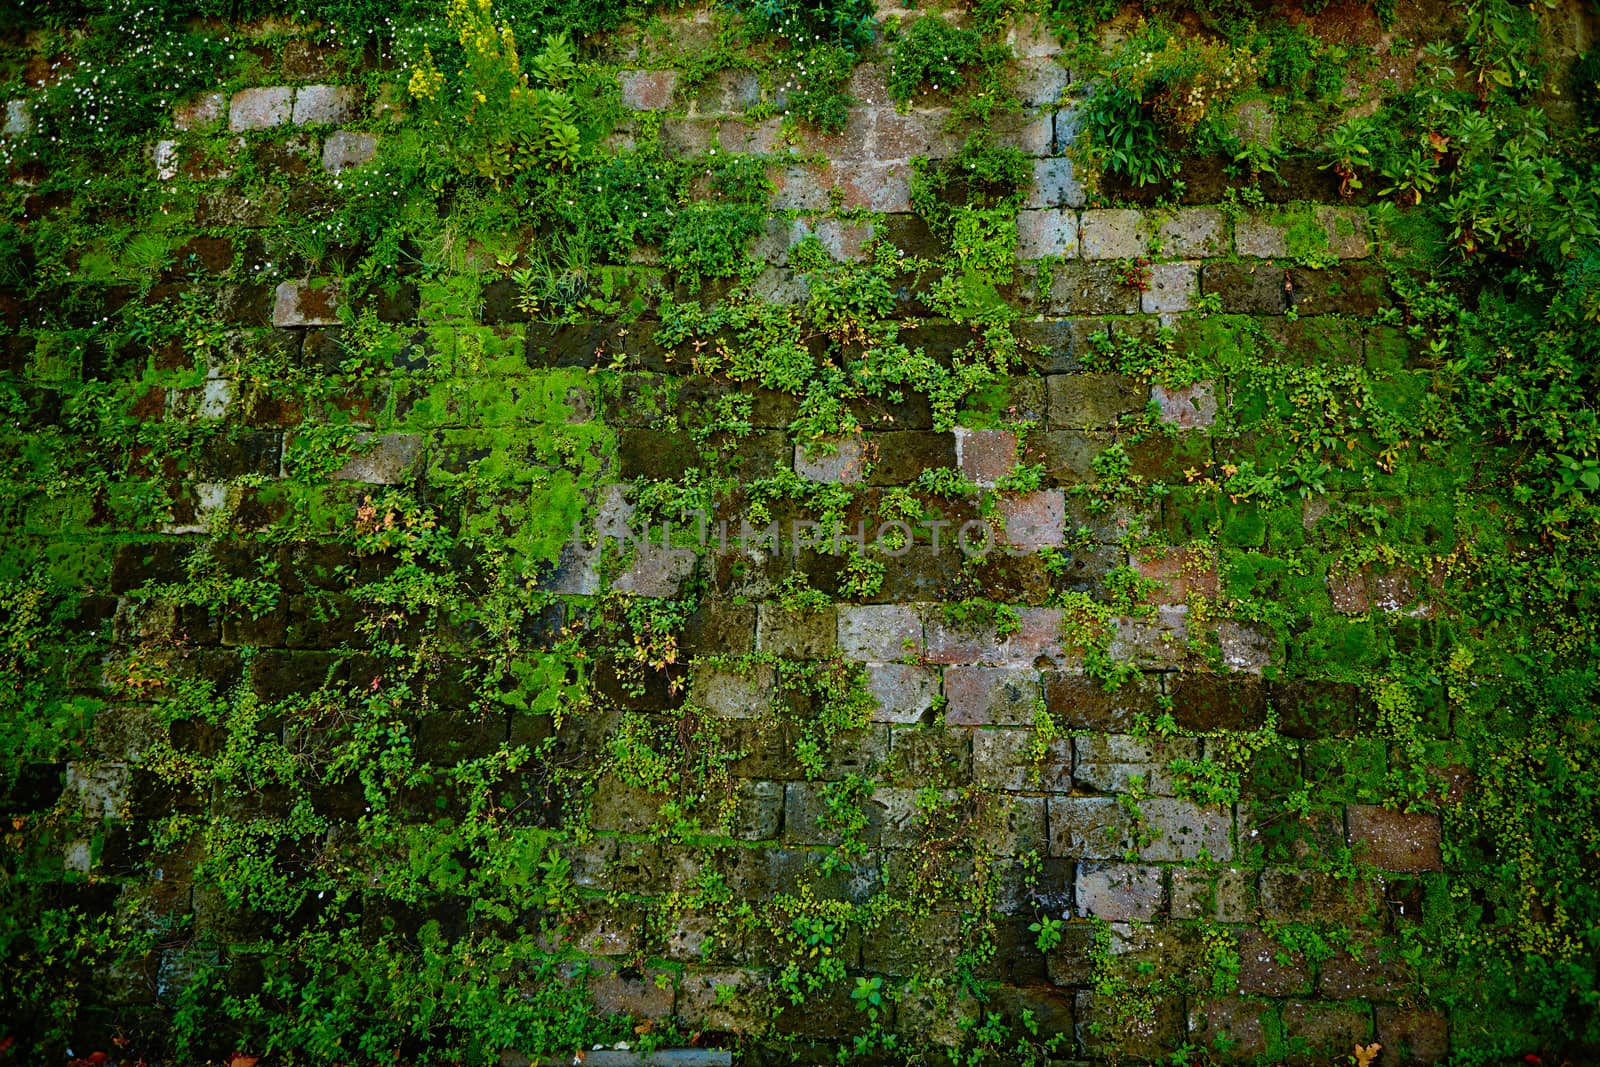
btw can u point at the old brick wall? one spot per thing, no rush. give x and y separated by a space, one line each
1276 925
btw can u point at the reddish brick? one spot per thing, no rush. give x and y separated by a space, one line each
1034 520
1180 572
1266 968
1038 635
986 456
1374 976
648 90
990 696
1188 407
1395 840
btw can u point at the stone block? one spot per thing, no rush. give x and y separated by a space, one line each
704 1001
985 456
879 633
1319 1031
873 186
1081 703
898 457
1034 520
1246 647
1248 289
1194 233
1038 634
325 105
758 810
1092 401
616 991
1240 1027
19 119
1376 974
1172 287
1352 289
1109 1032
656 571
1040 82
1114 233
1187 407
343 149
1120 892
904 692
648 90
930 755
299 303
1012 826
201 113
1079 289
1225 895
1204 702
1394 840
1054 184
1411 1037
1069 454
990 696
1108 763
845 463
1268 969
1178 573
743 694
260 109
1153 643
1349 235
385 462
1047 232
808 821
803 633
1004 759
1257 235
897 137
1290 895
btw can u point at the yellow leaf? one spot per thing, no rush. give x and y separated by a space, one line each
1365 1054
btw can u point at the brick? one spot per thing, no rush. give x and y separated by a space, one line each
325 105
1298 896
1246 647
1012 825
1107 763
1346 290
1120 892
1038 635
1172 287
930 755
1092 401
298 303
804 633
259 109
1268 969
618 992
798 188
1054 184
1179 572
1204 702
343 149
1377 975
743 694
201 113
845 464
1239 1026
806 818
1003 759
1349 236
1040 82
1411 1037
1158 642
648 90
897 137
1114 233
903 692
701 1000
386 463
898 457
1069 454
1109 1033
879 633
873 186
1194 232
1225 895
1256 235
1048 232
1078 289
1247 289
1323 1031
990 696
728 92
1034 520
985 456
1081 703
655 571
763 138
1395 840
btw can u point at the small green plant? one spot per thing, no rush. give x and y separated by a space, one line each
1047 932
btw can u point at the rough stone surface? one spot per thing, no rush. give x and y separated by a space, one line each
260 109
325 105
846 463
648 90
1172 287
990 696
1114 233
385 462
1047 232
203 112
300 303
1194 233
343 149
1395 840
1119 892
904 693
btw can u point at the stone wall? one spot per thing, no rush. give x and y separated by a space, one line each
998 772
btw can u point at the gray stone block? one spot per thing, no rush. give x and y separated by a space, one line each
260 109
325 105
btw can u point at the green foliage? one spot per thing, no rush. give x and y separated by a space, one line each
933 54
